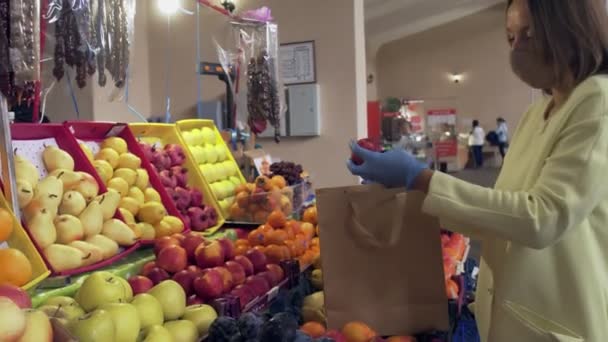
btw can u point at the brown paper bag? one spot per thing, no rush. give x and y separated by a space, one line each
382 261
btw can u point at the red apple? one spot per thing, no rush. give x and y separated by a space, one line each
185 279
191 243
157 275
195 269
17 295
163 242
194 300
172 259
179 237
140 284
277 272
210 285
270 278
228 247
258 259
258 285
368 145
238 272
244 293
246 263
209 255
226 278
147 268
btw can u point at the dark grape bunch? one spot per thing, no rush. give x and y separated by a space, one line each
290 171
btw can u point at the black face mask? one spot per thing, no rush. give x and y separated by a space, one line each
529 65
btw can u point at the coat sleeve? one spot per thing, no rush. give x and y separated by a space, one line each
571 184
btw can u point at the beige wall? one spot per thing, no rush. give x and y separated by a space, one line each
418 67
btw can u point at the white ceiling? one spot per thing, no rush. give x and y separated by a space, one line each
389 20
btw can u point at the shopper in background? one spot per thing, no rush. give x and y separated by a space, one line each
544 268
502 130
478 137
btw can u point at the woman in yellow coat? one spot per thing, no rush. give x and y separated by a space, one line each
544 227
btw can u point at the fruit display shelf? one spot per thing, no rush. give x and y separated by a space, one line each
93 133
216 162
20 240
165 134
29 142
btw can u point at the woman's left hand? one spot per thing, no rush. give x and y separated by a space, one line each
393 169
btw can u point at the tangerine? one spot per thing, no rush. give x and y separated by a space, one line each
310 215
313 329
358 332
241 242
241 249
6 224
16 268
277 219
241 188
308 230
315 242
286 252
274 254
255 237
260 216
237 212
277 237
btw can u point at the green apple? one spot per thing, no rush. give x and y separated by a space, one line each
126 321
128 289
197 136
208 172
220 171
182 331
189 138
199 154
202 316
157 333
235 180
172 299
149 309
61 300
208 135
216 189
68 312
100 288
96 326
230 168
220 150
38 327
211 153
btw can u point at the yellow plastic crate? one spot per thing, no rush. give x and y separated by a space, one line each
168 134
21 241
188 125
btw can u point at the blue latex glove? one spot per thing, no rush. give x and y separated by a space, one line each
393 169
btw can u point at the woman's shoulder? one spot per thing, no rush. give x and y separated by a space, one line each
591 96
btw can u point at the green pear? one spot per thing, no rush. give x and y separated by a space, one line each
88 186
42 229
108 155
97 326
72 203
69 178
55 158
149 309
202 316
119 232
69 229
109 203
151 195
157 333
108 246
126 321
129 160
100 288
63 258
25 170
120 185
92 219
182 331
172 298
143 179
25 193
116 143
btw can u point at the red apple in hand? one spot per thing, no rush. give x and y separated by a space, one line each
210 285
140 284
172 259
368 145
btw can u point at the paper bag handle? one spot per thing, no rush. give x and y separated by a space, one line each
362 234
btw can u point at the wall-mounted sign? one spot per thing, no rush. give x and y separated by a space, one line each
298 64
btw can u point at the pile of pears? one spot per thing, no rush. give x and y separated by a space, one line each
139 204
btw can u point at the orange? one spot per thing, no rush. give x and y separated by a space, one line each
241 188
241 249
292 248
260 248
278 181
286 252
313 329
15 267
255 237
237 212
277 237
241 242
274 254
308 230
277 219
315 242
310 215
6 224
260 216
358 332
265 228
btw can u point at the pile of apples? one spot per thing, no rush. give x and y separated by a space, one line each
212 156
140 205
169 163
18 321
105 309
209 269
255 201
72 225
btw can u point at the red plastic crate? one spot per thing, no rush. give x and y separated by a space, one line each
98 131
66 142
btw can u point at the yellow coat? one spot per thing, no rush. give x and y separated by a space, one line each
544 228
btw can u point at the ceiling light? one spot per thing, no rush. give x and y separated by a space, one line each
168 6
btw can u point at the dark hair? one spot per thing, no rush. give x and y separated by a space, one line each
475 123
572 35
499 119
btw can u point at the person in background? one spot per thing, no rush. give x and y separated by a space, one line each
503 136
478 137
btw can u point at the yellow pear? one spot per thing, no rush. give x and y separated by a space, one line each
87 151
64 258
162 229
177 226
129 160
73 203
104 169
55 158
70 179
88 186
130 204
108 246
49 193
151 195
25 193
42 229
92 219
26 171
151 212
127 174
69 229
143 179
109 203
127 216
119 232
136 193
147 231
136 230
108 155
117 144
93 253
119 185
